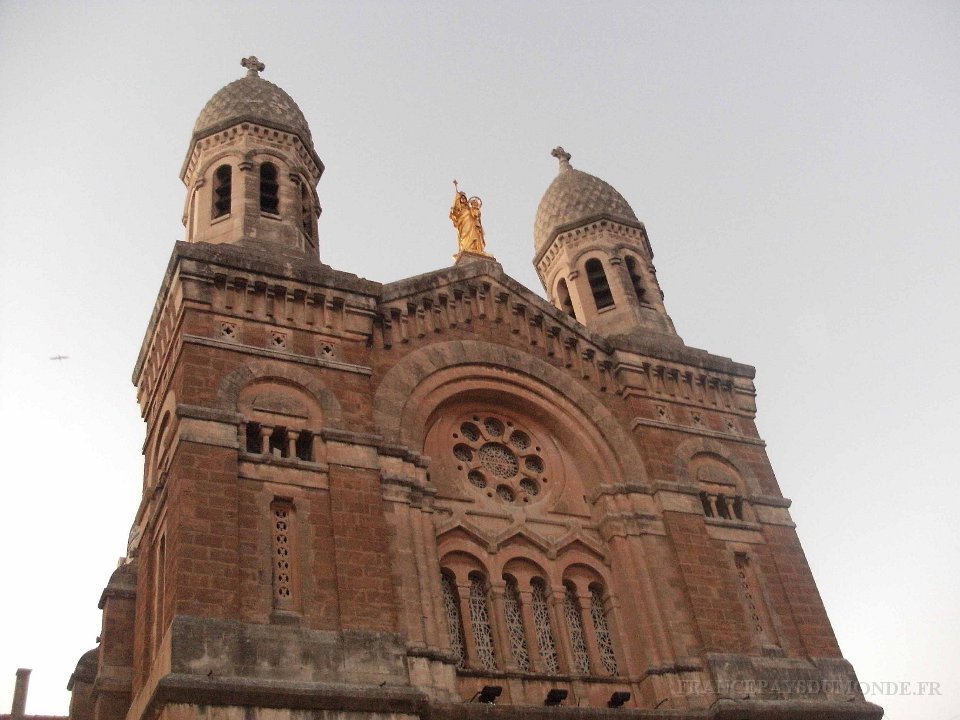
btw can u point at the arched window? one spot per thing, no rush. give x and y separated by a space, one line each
304 445
541 619
563 296
254 439
574 618
480 622
269 189
636 281
514 618
602 630
306 210
222 189
598 284
451 607
279 445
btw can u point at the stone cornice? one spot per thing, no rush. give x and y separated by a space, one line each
585 223
247 124
695 430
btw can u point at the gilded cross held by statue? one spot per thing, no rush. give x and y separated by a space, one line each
465 215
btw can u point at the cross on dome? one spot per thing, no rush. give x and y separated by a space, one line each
253 65
563 156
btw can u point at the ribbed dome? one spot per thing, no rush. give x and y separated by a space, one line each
255 99
573 196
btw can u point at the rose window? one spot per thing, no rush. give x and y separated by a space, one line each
499 459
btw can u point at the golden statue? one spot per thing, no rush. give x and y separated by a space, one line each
465 214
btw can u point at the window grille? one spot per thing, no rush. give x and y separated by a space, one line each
480 620
518 641
454 624
571 609
282 573
541 619
607 657
752 594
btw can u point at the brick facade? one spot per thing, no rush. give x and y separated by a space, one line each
374 500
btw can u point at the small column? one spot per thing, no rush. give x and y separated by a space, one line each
466 620
590 634
530 632
265 439
292 436
501 634
562 631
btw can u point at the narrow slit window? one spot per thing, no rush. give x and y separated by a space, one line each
222 189
636 281
599 286
269 189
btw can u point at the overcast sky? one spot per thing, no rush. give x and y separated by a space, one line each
797 166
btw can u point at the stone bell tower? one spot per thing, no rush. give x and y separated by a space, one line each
594 257
252 171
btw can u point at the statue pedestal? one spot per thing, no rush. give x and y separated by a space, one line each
465 256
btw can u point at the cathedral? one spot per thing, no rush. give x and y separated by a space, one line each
442 497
